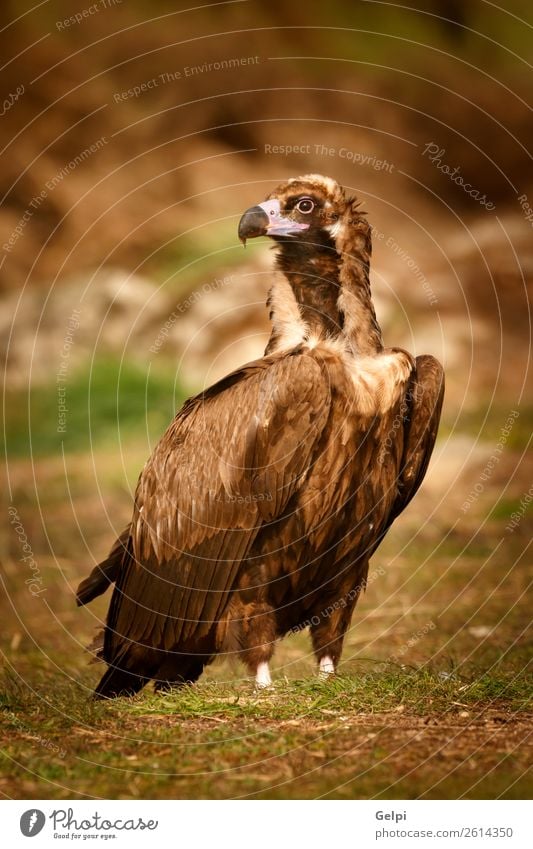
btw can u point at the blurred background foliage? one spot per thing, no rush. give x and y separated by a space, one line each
134 135
159 199
374 76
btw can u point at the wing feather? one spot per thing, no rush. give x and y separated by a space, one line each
229 462
425 395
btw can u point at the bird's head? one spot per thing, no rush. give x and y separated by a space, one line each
309 210
325 246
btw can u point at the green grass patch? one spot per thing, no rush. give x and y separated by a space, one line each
359 735
493 426
370 689
505 507
367 687
105 402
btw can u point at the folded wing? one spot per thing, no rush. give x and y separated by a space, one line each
227 466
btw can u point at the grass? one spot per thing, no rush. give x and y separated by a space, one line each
106 402
369 688
487 422
222 740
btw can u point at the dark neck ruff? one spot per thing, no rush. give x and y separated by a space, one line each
313 275
331 288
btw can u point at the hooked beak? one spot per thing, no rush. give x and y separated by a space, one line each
265 219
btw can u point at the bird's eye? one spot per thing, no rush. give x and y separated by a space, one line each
305 205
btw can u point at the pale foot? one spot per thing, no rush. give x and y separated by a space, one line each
326 667
262 677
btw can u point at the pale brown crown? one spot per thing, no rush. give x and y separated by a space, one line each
341 215
322 187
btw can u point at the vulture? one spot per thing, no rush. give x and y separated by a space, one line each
259 509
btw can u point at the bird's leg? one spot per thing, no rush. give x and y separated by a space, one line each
327 634
332 619
250 633
259 640
327 639
326 667
262 676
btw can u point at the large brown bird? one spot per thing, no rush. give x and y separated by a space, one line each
260 507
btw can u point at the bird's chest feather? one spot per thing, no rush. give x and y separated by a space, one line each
353 478
369 386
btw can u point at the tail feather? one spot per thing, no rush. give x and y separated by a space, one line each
119 682
122 679
106 572
130 666
127 673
